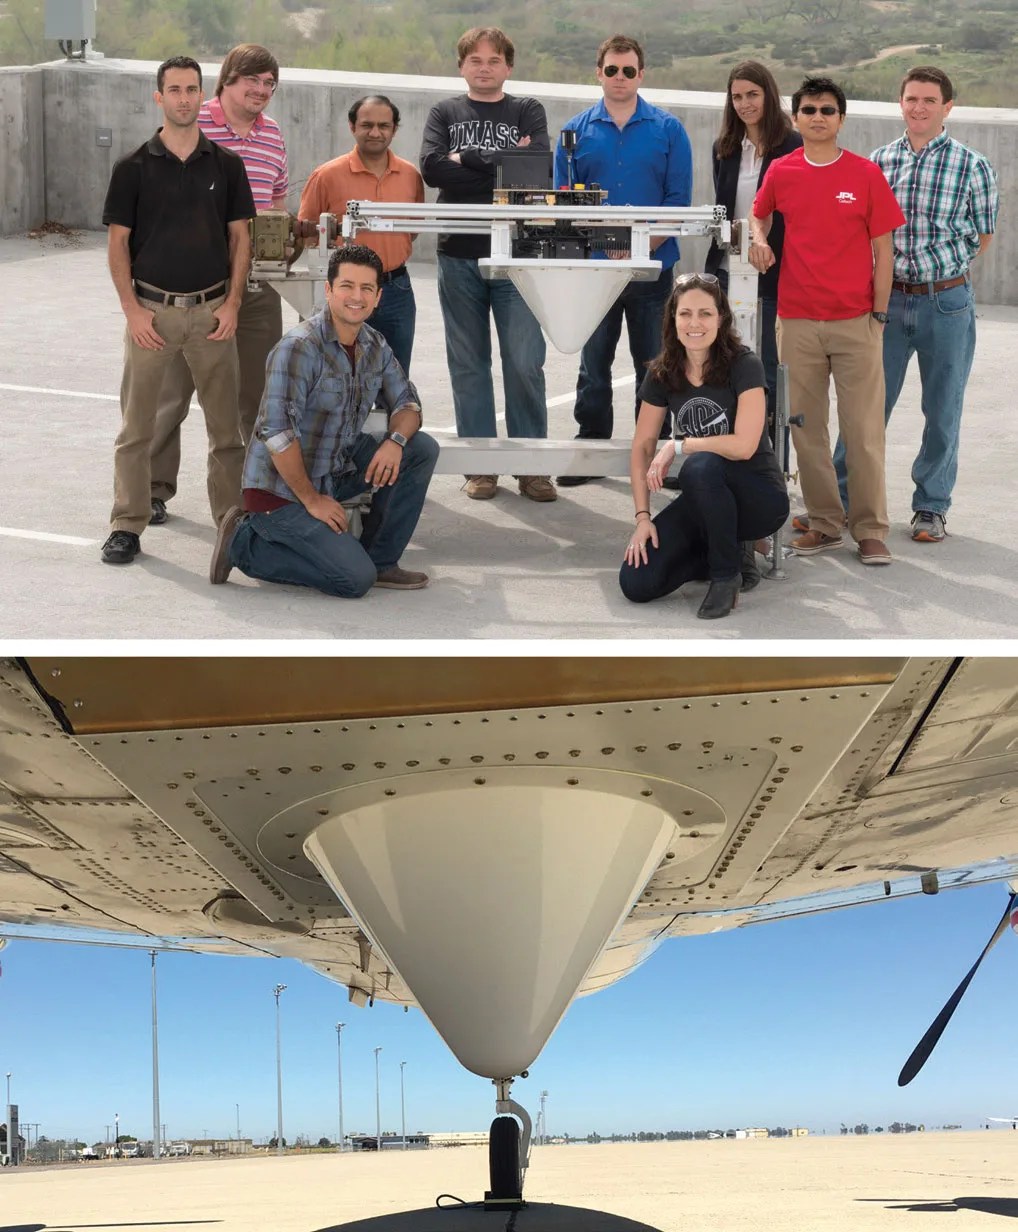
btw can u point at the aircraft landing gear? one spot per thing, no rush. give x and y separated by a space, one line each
508 1151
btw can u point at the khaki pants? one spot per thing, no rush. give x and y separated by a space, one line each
259 328
214 368
852 352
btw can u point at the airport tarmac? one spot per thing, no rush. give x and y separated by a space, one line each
506 568
877 1183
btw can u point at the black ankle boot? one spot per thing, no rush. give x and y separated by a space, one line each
750 569
721 597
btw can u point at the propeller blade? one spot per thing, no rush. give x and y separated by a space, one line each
926 1045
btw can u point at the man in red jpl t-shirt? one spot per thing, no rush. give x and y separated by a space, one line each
832 307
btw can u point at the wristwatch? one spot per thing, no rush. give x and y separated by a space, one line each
882 317
398 437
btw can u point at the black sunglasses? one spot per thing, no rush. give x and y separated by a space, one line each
627 70
810 109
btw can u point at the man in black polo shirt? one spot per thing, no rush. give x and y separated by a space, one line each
179 249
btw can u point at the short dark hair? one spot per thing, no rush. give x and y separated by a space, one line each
352 114
501 41
813 86
620 44
932 74
246 60
353 254
176 62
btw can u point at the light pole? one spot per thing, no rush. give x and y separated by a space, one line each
116 1135
378 1106
402 1101
279 1074
157 1146
339 1062
237 1106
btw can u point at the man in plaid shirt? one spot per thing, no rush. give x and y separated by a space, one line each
948 194
309 452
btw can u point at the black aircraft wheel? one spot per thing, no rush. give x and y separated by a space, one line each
504 1158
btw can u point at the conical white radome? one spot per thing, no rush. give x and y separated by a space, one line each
492 904
570 299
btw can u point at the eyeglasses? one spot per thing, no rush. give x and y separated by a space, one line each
264 83
685 279
627 70
810 109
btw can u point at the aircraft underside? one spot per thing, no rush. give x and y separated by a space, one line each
489 838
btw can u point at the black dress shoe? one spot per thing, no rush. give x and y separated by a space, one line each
672 482
750 569
721 597
121 548
574 481
158 512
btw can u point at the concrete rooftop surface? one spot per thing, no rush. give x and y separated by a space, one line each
505 569
877 1183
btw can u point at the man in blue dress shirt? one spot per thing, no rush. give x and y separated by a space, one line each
641 156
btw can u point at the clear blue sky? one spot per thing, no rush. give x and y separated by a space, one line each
798 1022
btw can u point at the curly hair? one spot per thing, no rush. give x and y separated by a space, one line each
353 254
669 367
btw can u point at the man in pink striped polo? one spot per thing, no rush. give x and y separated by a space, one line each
234 119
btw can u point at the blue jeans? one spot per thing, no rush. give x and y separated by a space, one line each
722 504
941 329
642 305
292 547
467 299
395 318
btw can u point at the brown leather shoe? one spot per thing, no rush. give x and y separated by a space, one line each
814 541
874 552
395 578
481 487
537 488
219 565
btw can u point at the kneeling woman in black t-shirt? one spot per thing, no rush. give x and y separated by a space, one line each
732 491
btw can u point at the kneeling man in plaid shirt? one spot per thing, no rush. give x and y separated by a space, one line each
309 452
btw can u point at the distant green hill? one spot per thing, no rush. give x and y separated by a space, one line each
866 44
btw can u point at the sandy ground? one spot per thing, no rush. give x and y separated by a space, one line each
801 1185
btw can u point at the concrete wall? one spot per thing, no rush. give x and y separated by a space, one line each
81 98
22 190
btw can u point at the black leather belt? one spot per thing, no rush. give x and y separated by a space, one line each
396 273
924 288
179 301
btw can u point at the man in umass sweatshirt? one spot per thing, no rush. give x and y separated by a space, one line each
464 138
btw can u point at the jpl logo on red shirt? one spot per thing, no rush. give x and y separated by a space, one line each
846 198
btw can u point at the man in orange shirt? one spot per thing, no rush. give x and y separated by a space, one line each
371 172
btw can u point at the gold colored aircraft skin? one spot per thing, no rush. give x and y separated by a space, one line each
100 695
